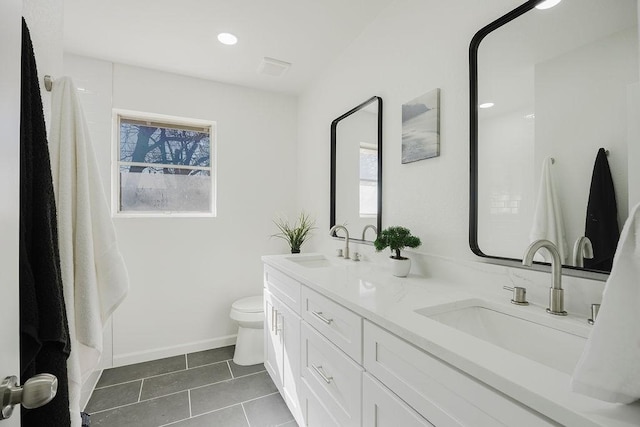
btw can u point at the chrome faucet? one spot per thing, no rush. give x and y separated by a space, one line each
369 226
582 249
332 232
556 293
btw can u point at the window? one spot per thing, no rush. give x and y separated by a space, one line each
368 180
164 166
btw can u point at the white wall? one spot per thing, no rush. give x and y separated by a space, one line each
415 46
44 19
186 272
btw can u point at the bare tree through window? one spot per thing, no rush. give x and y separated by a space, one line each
164 167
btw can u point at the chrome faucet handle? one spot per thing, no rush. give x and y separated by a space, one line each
356 256
519 295
339 253
595 308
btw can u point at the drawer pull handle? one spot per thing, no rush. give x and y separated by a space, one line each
319 315
273 321
278 325
324 376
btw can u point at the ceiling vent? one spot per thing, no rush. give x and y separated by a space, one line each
273 67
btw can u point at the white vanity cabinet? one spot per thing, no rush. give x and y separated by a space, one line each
382 408
334 368
331 358
282 336
442 394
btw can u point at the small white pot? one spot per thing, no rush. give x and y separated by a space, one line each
400 267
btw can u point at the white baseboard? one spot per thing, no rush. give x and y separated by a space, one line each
88 387
160 353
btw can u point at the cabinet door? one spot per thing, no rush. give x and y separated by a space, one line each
382 408
314 412
287 329
274 349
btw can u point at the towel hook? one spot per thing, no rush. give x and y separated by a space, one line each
48 83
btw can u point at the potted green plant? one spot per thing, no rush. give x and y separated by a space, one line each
397 238
297 233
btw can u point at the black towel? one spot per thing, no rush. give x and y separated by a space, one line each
44 333
602 216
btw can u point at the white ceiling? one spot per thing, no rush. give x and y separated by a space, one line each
180 35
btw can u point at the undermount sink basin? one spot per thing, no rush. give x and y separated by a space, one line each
544 343
310 261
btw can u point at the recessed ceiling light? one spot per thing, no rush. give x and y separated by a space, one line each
486 105
227 38
547 4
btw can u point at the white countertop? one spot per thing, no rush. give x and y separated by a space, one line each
390 302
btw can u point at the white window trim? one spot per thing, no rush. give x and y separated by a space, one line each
373 147
115 163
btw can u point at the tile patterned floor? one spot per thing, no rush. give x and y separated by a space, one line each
194 390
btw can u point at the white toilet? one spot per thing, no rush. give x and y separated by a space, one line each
249 313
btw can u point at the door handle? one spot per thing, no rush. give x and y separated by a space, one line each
36 392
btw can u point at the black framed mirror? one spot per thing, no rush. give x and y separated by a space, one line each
356 170
559 84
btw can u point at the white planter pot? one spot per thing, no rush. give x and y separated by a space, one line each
400 267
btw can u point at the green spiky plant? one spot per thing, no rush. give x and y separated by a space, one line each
396 238
297 233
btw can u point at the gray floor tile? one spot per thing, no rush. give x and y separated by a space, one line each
239 370
111 397
141 370
228 417
183 380
210 356
268 411
150 413
230 392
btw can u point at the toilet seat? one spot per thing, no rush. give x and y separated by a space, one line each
249 305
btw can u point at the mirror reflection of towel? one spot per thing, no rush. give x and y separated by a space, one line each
601 225
547 218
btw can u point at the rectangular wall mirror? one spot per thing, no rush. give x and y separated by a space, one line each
557 83
356 170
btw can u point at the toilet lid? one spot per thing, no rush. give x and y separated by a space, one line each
249 304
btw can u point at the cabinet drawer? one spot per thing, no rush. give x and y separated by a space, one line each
340 325
332 376
437 391
284 287
382 408
314 413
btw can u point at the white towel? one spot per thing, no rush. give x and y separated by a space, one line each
609 368
94 275
547 218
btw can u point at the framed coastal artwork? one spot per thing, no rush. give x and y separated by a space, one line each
421 127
